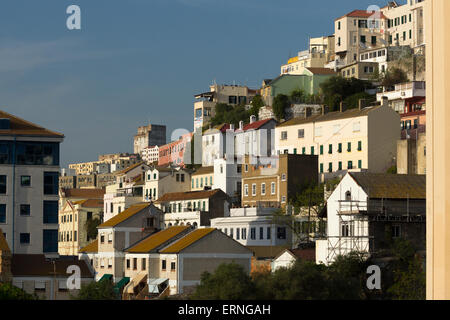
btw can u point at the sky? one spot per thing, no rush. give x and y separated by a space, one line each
136 62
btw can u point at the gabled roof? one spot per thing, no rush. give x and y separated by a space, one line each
321 71
156 240
22 127
90 203
257 124
90 248
188 240
3 243
391 186
191 195
26 265
303 254
124 215
203 170
126 170
362 14
221 127
84 193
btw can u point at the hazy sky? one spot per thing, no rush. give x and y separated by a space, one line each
136 61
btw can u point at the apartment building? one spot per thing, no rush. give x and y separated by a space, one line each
29 174
202 178
150 154
255 138
205 104
367 211
274 184
384 56
228 177
405 23
161 180
405 97
344 140
194 208
359 31
73 229
106 254
360 70
147 136
214 143
74 195
174 152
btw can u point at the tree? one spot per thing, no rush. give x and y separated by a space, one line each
409 284
280 104
228 282
392 170
298 96
352 102
257 104
337 89
101 290
394 76
10 292
91 228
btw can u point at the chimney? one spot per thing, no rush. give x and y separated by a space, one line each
361 104
241 125
232 126
384 101
341 106
252 118
308 112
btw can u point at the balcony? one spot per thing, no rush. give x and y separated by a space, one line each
404 91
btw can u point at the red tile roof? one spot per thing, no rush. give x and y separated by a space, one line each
321 71
256 125
362 14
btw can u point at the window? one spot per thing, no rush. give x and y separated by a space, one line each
51 183
330 167
303 150
24 238
102 238
359 145
284 135
25 181
283 199
346 229
134 263
283 177
25 209
75 235
268 233
363 39
339 25
301 133
143 263
2 213
272 188
340 165
321 168
246 168
246 190
110 263
50 212
340 148
254 189
110 236
312 151
253 233
39 286
350 165
238 233
374 40
396 231
2 184
349 147
231 232
281 233
263 189
330 149
321 150
244 233
239 168
359 164
261 233
172 266
295 150
163 265
37 153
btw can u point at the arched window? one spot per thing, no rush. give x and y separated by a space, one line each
195 224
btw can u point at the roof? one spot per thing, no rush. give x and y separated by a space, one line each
157 239
302 254
257 124
321 71
84 193
391 186
90 248
330 116
221 127
126 170
191 195
22 127
203 170
188 240
90 203
3 243
26 265
266 251
362 14
124 215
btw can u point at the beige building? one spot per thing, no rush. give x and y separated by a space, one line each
149 136
344 140
411 155
161 180
360 70
73 232
202 178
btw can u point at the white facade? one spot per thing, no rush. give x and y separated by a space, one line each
254 227
213 146
228 176
150 154
159 181
285 260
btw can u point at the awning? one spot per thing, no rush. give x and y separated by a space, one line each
106 276
122 283
154 283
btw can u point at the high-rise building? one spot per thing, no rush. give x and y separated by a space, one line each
148 136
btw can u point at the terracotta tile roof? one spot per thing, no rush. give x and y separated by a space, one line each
362 14
304 254
266 251
330 116
257 124
203 170
84 193
3 243
325 71
90 203
124 215
90 248
26 265
156 240
188 240
391 186
191 195
22 127
126 170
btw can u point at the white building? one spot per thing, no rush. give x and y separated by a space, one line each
403 95
150 154
161 180
29 174
254 227
214 143
228 177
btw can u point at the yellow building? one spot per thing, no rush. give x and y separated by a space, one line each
203 177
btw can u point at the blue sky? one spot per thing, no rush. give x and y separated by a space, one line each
136 61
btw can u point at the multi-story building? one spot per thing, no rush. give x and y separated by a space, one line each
275 184
147 136
367 212
205 105
384 56
344 140
202 178
29 174
150 154
405 23
214 143
162 180
359 31
75 195
405 97
73 229
195 208
360 70
255 138
228 177
174 152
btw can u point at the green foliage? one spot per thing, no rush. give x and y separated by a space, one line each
10 292
228 282
409 284
102 290
298 96
392 170
91 228
337 89
394 76
280 104
257 104
230 114
352 101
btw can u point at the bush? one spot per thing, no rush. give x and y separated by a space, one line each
10 292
